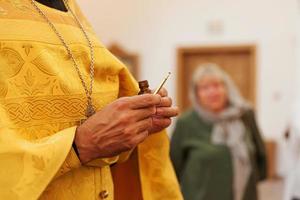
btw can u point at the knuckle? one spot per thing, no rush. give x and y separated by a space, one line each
152 99
152 110
118 105
123 119
127 132
148 98
160 111
122 103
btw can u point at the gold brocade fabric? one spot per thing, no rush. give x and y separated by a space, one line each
41 101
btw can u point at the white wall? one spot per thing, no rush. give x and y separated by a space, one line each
296 111
155 28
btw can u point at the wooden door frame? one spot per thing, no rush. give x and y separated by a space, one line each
183 51
121 53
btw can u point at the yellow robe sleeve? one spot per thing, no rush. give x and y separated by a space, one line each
156 169
27 167
71 162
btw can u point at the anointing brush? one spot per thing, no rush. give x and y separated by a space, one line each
162 84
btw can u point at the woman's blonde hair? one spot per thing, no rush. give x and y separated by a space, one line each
210 69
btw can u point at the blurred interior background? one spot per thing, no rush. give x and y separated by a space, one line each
257 42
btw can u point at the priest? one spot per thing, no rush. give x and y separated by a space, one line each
69 113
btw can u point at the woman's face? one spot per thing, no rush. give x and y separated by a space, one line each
212 94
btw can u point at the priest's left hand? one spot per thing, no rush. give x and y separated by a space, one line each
164 112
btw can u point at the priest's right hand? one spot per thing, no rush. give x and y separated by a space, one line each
118 127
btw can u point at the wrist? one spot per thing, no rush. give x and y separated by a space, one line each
74 146
81 145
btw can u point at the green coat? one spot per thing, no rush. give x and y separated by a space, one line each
204 169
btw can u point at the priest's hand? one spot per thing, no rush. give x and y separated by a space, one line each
119 127
164 113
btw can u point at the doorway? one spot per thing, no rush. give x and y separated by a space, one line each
238 61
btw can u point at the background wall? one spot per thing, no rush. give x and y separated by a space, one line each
296 110
155 28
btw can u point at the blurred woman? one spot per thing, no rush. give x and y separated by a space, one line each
217 149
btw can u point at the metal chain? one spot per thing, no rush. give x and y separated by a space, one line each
88 91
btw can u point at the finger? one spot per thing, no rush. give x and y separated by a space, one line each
144 113
163 92
144 101
167 112
139 138
161 123
165 102
139 126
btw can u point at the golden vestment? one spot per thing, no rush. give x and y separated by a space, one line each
41 101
